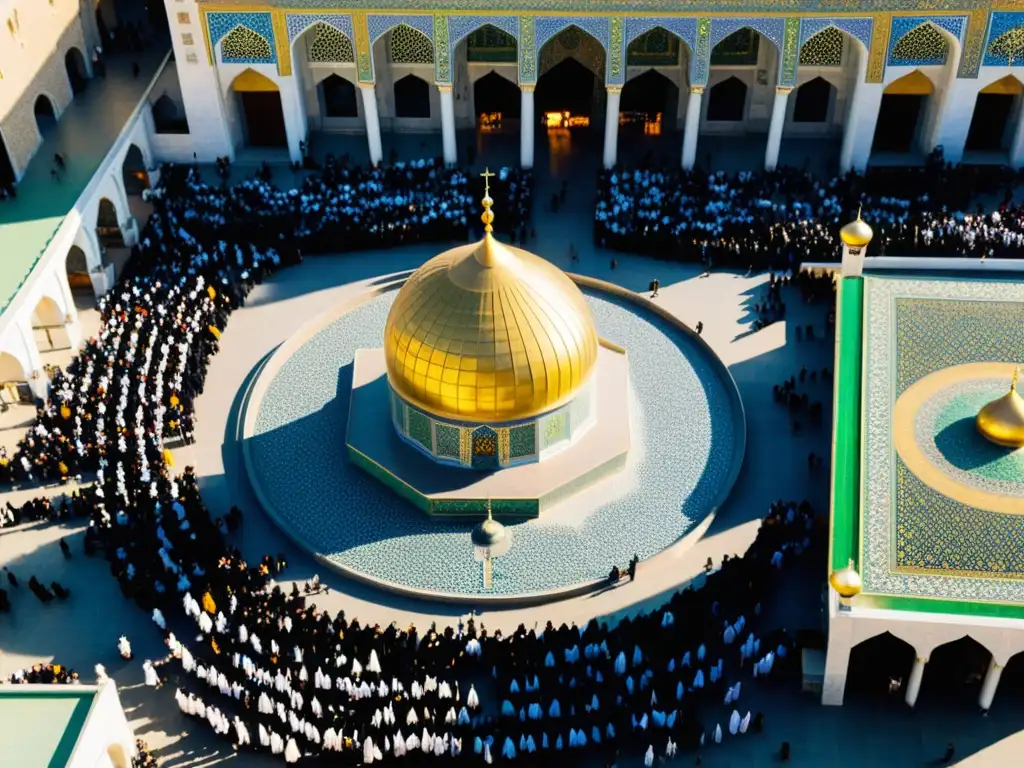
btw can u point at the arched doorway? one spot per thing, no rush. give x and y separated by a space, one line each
108 226
899 117
77 266
7 175
485 449
259 102
14 389
996 111
46 116
48 323
650 98
727 101
133 172
497 96
168 117
570 90
74 65
879 668
954 673
338 97
412 97
813 101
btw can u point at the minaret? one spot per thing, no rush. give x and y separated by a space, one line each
855 236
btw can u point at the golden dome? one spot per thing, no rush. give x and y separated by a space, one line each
857 233
489 333
1002 420
846 581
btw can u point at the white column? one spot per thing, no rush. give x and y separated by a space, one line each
611 126
859 131
1017 144
989 685
771 155
837 654
692 127
38 381
527 126
914 683
954 120
72 326
372 122
451 153
296 123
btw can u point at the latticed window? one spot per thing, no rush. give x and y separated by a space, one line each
331 46
657 48
410 46
490 44
242 44
1009 46
825 49
922 45
738 49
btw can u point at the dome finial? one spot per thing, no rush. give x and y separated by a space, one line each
488 215
1002 421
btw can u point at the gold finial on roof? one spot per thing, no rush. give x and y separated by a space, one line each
859 209
1013 381
857 233
1002 420
489 515
488 215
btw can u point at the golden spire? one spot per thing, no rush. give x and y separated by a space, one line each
488 215
857 233
1002 420
489 253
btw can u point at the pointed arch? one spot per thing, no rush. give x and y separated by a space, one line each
915 83
657 47
924 44
572 42
823 49
1008 85
737 42
1005 49
244 46
408 45
252 81
490 44
412 97
727 100
11 369
326 44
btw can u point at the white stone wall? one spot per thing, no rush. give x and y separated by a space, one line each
386 74
465 91
35 75
760 95
842 79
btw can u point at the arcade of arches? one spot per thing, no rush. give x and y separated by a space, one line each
828 99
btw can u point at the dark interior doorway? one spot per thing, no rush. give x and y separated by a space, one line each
876 663
133 172
264 119
566 87
46 117
494 93
650 94
812 101
74 64
727 101
338 97
412 97
898 117
108 229
7 177
988 131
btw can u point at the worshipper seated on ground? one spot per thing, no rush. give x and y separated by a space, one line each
777 219
264 666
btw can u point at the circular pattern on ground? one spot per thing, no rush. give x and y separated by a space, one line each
689 435
936 436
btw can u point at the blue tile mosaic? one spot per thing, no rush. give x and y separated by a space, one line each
857 28
999 24
903 25
297 23
378 24
684 445
546 27
684 29
220 24
460 27
772 28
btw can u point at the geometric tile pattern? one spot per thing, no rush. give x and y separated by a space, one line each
410 46
772 28
298 450
247 48
522 441
297 23
460 27
684 29
916 41
825 49
915 327
858 28
546 27
330 45
1005 47
379 24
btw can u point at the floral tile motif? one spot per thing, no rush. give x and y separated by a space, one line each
297 23
857 28
914 327
220 25
685 449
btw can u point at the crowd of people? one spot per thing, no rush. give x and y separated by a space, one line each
268 668
45 674
777 219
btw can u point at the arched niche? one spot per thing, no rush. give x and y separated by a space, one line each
259 108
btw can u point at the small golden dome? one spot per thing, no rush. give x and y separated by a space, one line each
1002 420
846 581
489 333
857 233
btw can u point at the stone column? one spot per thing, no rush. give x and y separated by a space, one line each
1016 158
37 381
989 685
296 123
72 326
954 119
611 126
914 683
527 126
451 153
771 155
372 122
692 127
859 131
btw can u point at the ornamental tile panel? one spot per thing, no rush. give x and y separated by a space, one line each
916 41
546 27
447 441
825 49
644 6
616 51
684 29
772 28
858 28
527 50
331 46
245 46
973 44
410 46
523 440
459 27
914 328
297 23
1005 42
700 64
442 50
790 52
378 24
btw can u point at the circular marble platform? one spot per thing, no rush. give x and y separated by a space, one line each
689 438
